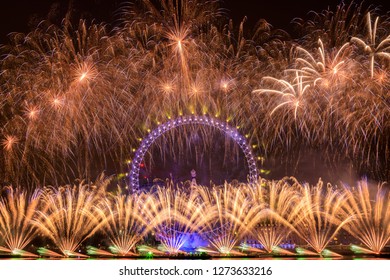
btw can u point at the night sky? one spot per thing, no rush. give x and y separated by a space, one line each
24 15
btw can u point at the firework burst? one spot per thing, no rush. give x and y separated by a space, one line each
370 213
279 200
70 217
123 222
173 214
322 215
228 216
17 210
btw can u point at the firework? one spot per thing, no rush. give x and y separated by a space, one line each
279 202
173 214
292 94
69 219
224 216
228 216
80 89
370 213
124 222
321 215
17 209
328 70
375 47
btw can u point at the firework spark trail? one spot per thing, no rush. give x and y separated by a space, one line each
273 223
123 221
328 69
322 215
373 47
17 209
172 213
335 27
370 221
228 215
292 94
70 217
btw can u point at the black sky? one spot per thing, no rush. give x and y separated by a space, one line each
23 15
